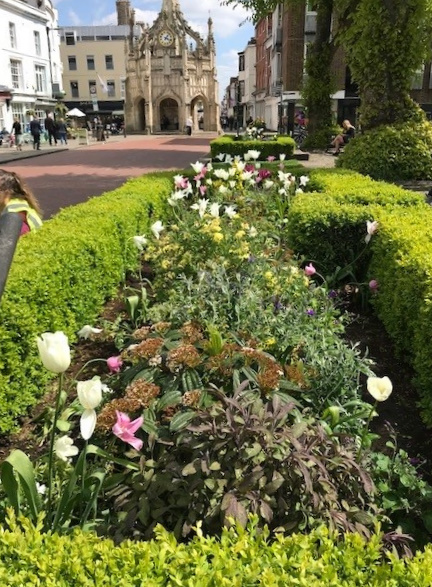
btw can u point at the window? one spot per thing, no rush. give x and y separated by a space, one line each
12 35
111 88
123 89
74 89
92 87
16 74
18 111
417 80
37 42
109 63
241 62
90 62
40 78
72 63
70 38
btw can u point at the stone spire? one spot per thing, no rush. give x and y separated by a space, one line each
170 6
123 11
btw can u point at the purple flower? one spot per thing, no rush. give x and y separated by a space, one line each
332 294
263 174
310 312
373 285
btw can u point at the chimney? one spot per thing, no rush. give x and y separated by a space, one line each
123 11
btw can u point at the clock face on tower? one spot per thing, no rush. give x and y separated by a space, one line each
165 38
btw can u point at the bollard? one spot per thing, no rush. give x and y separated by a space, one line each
10 229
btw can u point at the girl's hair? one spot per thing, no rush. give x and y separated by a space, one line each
12 186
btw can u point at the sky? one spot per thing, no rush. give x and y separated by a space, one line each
232 30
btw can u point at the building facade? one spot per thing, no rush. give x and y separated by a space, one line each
30 63
171 75
247 81
94 67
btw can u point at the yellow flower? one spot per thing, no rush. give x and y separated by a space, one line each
218 237
268 275
270 342
240 234
165 264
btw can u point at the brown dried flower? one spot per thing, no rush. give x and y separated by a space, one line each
142 333
186 355
191 332
161 327
142 391
191 398
148 348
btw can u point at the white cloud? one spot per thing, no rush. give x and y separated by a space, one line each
74 19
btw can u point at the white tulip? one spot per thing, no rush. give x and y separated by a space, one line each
197 167
371 228
201 206
253 232
140 242
223 189
90 396
87 330
65 448
299 191
230 211
268 183
282 156
380 388
214 209
253 154
54 351
304 180
156 228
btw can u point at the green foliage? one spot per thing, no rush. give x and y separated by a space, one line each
236 559
329 227
400 151
244 455
380 63
402 492
62 275
228 146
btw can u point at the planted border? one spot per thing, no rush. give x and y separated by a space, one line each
229 146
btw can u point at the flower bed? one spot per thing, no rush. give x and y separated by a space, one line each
228 145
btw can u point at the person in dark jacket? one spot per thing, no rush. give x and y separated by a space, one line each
17 131
349 132
51 128
35 131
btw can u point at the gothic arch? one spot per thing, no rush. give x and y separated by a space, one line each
200 112
140 113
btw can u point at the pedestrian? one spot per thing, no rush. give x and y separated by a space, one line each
17 131
16 196
35 131
342 139
62 131
189 124
51 129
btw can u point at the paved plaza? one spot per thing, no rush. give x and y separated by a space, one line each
63 176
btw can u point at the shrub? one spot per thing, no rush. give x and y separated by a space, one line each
62 275
401 151
228 146
241 456
237 559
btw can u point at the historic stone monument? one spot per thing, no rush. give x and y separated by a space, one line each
170 73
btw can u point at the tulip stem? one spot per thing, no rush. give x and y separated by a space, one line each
87 364
51 446
366 428
83 475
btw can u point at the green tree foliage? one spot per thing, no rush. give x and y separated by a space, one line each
386 41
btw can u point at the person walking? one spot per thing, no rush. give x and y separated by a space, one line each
189 124
16 196
51 129
35 131
17 131
62 131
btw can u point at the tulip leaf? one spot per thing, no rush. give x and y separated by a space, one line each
181 420
18 463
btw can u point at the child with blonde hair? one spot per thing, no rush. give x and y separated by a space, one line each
16 196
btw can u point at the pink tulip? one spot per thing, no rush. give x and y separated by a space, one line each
310 270
203 189
114 364
125 429
271 158
373 285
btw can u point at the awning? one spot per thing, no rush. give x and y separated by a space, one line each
118 112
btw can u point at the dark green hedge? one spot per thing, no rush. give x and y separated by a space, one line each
229 146
238 559
62 275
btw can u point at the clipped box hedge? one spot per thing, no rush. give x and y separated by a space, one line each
62 275
329 225
238 559
228 145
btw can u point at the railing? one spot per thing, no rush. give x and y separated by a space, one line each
10 228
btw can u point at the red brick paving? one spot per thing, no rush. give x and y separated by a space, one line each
70 177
